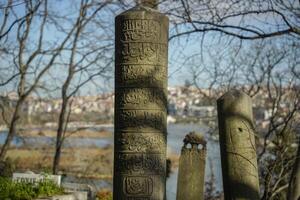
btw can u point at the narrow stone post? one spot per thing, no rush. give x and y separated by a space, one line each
191 172
237 142
140 105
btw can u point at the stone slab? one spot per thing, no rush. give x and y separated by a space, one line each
78 187
35 178
72 196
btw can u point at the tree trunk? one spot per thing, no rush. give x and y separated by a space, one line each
59 137
12 130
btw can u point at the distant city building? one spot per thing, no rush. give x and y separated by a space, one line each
182 101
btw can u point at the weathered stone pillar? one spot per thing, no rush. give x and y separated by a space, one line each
191 171
237 142
140 105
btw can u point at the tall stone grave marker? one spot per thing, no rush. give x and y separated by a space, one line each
190 183
140 105
237 144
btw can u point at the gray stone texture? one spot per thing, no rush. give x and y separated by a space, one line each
71 196
237 144
190 183
140 105
79 187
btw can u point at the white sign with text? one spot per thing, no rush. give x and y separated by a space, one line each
36 178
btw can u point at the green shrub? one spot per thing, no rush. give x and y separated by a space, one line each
21 191
5 187
7 168
10 190
48 188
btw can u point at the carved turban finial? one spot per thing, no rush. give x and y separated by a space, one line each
194 139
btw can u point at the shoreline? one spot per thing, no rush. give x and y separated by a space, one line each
52 125
51 133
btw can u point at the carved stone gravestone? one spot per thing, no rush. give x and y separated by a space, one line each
237 145
140 105
191 171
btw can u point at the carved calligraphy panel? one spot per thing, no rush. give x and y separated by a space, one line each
138 186
141 98
140 121
140 30
140 142
140 105
141 76
142 53
137 163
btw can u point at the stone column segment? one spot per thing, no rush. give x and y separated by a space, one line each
237 144
140 105
191 171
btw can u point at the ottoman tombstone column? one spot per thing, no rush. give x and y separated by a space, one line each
237 145
140 105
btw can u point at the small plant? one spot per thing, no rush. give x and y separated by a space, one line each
22 191
7 167
48 188
10 190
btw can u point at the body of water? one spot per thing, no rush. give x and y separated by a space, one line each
43 141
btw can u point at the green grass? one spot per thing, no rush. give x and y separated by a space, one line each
10 190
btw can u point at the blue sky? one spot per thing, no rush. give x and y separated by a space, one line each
185 54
